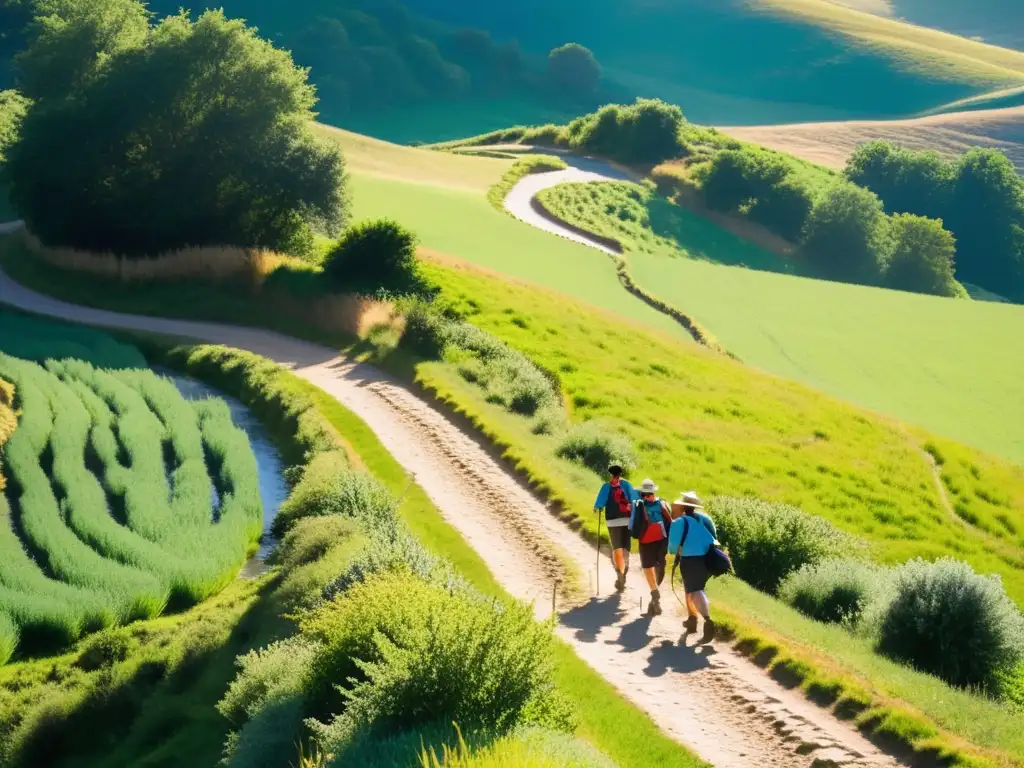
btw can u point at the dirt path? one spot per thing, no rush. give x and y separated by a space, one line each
709 698
519 201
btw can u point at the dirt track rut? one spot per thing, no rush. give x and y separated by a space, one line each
709 698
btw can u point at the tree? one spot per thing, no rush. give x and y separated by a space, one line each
784 207
922 256
646 132
725 184
574 68
372 255
72 41
987 218
847 235
197 136
907 182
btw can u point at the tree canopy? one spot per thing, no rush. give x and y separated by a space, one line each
922 256
194 133
979 196
847 235
574 68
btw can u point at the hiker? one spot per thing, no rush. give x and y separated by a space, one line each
650 527
691 537
616 497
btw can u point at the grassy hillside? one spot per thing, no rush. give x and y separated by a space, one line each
766 61
830 144
988 20
879 348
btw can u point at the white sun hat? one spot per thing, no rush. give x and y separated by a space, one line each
648 486
689 499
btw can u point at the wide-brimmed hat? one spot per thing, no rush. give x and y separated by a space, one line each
648 486
688 499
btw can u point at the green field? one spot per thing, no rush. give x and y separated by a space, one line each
878 348
122 497
937 363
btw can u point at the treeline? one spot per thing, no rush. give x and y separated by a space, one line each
978 196
137 138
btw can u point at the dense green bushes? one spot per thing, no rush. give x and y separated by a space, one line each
330 487
507 376
644 133
767 541
979 197
837 591
372 255
847 235
949 621
597 446
230 158
922 256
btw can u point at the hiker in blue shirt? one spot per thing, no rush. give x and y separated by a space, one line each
692 535
616 498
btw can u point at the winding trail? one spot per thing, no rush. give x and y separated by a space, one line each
708 697
519 200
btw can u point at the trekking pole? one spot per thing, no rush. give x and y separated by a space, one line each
598 573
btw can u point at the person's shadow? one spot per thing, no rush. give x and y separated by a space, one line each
634 636
590 618
668 656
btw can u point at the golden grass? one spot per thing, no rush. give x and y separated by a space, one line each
830 144
939 54
372 157
8 419
218 263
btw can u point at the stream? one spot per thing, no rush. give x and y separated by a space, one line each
273 487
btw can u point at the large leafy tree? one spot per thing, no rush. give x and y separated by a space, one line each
987 217
197 134
847 235
922 256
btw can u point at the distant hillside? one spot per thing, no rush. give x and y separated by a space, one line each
1000 22
757 61
831 143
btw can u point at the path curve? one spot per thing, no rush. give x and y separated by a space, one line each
581 170
710 698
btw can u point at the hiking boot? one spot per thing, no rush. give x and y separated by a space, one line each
620 582
690 625
654 608
709 631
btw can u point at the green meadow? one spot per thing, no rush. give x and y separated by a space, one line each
944 365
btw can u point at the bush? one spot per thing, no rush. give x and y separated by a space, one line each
847 235
922 257
836 591
645 132
433 656
527 748
768 541
425 329
309 539
330 487
574 68
784 208
264 673
596 446
373 255
953 623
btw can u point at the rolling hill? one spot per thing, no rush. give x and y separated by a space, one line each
988 20
831 143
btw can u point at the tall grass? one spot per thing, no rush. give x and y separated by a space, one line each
8 638
110 479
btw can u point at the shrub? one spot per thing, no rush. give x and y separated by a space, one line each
330 487
836 591
372 255
309 539
264 673
574 68
952 622
527 748
596 446
784 208
433 656
425 329
847 235
646 132
268 740
922 257
768 541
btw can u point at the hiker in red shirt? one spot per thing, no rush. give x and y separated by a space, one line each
616 498
649 524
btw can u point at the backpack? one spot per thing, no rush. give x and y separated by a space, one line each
641 523
716 559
